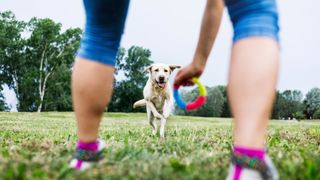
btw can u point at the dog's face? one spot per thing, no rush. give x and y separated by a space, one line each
159 73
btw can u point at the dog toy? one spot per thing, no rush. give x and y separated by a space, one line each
191 105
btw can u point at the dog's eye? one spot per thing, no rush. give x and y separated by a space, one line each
165 70
157 70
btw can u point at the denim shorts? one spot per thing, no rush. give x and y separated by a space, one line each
252 18
105 20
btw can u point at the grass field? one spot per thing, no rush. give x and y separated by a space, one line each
39 146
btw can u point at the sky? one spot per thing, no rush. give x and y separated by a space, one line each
170 30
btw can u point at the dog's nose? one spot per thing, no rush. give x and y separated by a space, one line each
161 78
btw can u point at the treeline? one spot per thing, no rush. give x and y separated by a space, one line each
289 104
292 104
36 60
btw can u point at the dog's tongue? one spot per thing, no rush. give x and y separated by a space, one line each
162 85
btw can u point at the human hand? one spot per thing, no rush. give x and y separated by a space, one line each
185 75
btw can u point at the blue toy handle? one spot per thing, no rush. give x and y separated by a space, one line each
179 101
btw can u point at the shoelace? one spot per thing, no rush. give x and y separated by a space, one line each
88 155
251 163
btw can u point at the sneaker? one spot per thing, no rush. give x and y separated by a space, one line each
248 168
87 154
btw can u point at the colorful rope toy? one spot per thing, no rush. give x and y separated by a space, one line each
191 105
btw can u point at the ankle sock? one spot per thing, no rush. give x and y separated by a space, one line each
91 146
87 152
251 158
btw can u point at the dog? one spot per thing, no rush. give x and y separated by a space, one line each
157 94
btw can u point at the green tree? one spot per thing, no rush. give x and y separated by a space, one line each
58 97
299 115
316 115
28 64
226 110
130 78
50 49
12 47
312 102
288 104
278 106
3 104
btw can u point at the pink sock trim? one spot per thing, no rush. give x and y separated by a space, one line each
78 165
250 152
237 172
257 153
92 146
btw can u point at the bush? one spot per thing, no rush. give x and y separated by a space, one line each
316 115
298 115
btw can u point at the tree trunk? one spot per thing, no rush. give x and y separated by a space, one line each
16 89
43 81
41 100
43 90
40 106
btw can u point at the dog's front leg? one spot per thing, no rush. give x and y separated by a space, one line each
152 121
167 108
154 110
162 125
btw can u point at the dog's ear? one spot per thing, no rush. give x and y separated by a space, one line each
147 69
173 67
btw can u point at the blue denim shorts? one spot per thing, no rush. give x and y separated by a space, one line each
252 18
105 20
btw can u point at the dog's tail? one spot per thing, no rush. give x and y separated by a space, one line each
139 103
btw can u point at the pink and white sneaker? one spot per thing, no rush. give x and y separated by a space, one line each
87 154
255 165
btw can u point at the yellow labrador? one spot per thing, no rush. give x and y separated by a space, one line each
157 95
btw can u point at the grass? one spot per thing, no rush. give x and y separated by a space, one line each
39 146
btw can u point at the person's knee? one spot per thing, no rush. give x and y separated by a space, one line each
253 18
105 21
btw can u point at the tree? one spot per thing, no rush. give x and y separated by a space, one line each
29 64
299 115
12 46
213 106
129 66
278 106
288 104
50 49
316 115
3 105
58 97
312 102
226 111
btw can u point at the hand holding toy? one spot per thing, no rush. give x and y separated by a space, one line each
191 105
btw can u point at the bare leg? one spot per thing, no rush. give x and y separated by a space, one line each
252 84
91 92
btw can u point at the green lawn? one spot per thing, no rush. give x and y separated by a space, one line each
39 146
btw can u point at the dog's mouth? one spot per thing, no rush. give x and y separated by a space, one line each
161 84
